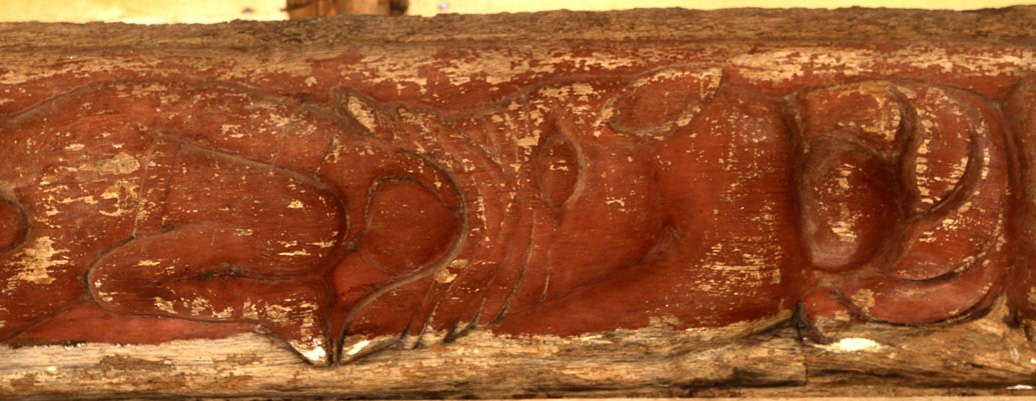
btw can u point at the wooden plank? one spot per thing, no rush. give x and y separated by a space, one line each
975 358
630 204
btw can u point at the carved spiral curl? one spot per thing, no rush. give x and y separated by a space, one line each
903 194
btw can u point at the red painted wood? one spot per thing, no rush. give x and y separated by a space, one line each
705 189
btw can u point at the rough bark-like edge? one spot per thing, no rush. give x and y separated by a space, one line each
1015 24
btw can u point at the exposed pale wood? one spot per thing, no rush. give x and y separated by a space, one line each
983 356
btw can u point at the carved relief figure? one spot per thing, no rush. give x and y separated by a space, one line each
588 208
575 207
186 214
904 202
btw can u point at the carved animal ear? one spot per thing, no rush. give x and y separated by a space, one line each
404 208
654 107
409 207
954 172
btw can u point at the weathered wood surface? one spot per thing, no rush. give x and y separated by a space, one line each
973 358
655 202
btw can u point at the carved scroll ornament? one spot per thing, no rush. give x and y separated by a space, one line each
178 208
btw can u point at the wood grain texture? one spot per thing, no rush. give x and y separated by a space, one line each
978 357
632 203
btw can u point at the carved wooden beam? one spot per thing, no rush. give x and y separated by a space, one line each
649 203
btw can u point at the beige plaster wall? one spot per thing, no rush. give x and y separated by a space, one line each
140 11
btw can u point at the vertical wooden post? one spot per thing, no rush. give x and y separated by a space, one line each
371 7
310 8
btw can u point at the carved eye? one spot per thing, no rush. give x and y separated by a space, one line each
408 227
557 169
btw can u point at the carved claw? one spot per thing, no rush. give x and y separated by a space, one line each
314 350
305 333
